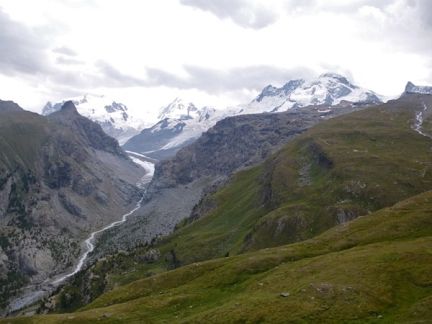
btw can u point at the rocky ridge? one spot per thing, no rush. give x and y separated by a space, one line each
411 88
113 116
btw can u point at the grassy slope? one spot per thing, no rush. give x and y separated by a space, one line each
338 170
375 268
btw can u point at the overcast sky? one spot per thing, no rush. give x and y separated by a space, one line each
220 52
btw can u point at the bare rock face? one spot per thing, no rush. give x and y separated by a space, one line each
9 106
60 178
91 133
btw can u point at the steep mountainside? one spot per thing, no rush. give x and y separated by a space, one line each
111 115
60 177
341 169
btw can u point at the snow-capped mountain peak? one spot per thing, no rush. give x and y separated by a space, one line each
113 116
179 109
335 76
412 88
328 88
179 123
288 88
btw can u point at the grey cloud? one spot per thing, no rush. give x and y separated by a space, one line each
341 6
64 50
115 78
216 81
22 51
105 75
78 3
242 12
68 61
425 9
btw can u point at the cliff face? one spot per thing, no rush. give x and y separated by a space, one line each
60 178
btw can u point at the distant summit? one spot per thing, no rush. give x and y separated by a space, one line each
113 116
412 88
8 106
69 107
327 89
179 124
89 130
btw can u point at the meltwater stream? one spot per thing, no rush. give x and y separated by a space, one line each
37 292
419 122
90 246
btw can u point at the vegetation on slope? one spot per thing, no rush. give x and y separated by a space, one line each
341 169
374 268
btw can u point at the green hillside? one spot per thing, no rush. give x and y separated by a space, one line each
373 269
341 169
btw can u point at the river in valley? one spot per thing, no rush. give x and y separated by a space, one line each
34 293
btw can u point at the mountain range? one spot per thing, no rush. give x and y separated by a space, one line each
333 225
311 203
181 123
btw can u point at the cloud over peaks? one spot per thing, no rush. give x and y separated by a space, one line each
249 14
21 50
